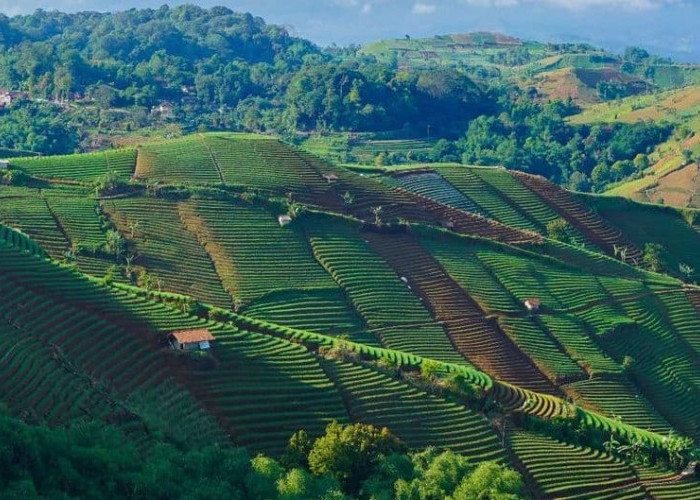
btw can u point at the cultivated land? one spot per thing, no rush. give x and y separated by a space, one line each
377 278
672 177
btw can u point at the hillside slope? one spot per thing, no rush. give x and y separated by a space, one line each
372 303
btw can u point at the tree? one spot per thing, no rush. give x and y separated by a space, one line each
377 212
349 453
109 183
559 230
115 243
490 481
298 449
652 257
429 369
641 162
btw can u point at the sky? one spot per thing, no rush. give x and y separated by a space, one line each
664 27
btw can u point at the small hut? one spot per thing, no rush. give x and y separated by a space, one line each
284 220
532 304
4 164
188 340
330 178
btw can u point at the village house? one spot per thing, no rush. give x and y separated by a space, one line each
532 304
7 97
164 109
188 340
284 220
4 164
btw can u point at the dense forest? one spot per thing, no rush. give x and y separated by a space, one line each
222 70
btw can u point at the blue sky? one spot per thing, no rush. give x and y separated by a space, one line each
666 27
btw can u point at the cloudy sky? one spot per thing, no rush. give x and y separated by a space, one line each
666 27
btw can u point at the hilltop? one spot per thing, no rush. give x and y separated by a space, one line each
670 177
578 71
394 297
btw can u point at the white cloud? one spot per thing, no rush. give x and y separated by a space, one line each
424 8
578 4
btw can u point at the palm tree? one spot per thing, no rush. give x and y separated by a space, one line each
115 243
133 226
376 211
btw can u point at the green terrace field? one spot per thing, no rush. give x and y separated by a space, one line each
262 389
80 168
364 148
396 298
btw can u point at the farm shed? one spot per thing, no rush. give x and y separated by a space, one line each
330 178
532 304
4 164
284 220
187 340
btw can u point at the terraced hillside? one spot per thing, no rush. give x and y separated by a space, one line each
404 303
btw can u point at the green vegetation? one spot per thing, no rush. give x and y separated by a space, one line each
362 310
91 460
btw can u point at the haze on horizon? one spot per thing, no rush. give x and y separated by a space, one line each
664 27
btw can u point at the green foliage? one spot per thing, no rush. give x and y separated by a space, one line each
298 449
490 481
430 369
14 178
109 183
536 138
652 257
37 127
349 453
559 230
435 475
90 460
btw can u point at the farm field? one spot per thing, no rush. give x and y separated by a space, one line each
430 300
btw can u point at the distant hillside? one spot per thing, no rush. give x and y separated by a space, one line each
671 177
554 71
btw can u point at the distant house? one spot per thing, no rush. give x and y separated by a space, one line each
7 97
4 164
165 109
188 89
284 220
187 340
532 304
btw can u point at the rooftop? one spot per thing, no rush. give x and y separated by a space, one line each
189 336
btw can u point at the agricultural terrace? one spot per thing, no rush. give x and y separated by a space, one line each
85 168
57 370
27 210
561 470
671 228
240 160
158 239
490 201
587 326
78 216
380 296
417 418
265 389
262 389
